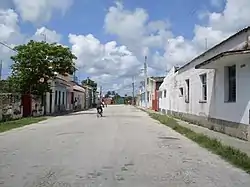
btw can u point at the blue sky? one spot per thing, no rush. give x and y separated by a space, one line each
87 16
110 39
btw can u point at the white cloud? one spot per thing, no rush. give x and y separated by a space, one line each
10 35
40 11
141 36
134 29
45 34
235 16
105 63
114 64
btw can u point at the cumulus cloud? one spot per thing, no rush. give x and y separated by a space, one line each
45 34
10 34
114 63
134 30
40 11
106 63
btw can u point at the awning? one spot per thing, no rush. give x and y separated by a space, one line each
225 58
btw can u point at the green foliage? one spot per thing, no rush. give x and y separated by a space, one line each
8 86
90 83
36 63
112 93
8 125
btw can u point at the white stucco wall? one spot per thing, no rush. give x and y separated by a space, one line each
233 111
215 106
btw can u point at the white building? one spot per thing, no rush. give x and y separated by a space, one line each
60 99
152 86
79 97
212 89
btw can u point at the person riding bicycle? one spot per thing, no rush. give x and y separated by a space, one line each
99 105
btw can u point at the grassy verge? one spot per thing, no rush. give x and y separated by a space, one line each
8 125
230 154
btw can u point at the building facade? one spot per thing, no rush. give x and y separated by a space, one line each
212 89
61 97
152 87
79 97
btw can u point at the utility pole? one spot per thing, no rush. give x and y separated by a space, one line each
133 85
1 67
205 43
145 84
100 92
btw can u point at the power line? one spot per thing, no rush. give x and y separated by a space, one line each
4 44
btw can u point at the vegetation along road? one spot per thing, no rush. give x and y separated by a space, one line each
124 148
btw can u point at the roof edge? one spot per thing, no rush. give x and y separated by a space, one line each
226 53
217 45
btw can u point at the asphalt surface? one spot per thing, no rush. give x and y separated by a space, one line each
125 148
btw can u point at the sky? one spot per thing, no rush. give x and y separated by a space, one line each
111 38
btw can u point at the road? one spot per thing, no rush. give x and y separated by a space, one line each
124 148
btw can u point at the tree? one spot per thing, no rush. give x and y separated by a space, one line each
38 62
90 83
107 95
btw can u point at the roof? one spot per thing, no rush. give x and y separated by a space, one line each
87 87
158 79
227 53
78 88
214 47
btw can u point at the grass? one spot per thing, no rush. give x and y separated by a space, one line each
230 154
8 125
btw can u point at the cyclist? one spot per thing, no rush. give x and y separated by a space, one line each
99 106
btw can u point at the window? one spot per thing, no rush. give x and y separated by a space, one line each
181 92
63 97
72 97
56 98
232 83
203 78
160 94
59 98
165 93
187 91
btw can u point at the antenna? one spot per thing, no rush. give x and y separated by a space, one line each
205 43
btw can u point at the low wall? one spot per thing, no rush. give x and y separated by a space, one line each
239 130
10 106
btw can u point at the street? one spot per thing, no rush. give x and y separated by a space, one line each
124 148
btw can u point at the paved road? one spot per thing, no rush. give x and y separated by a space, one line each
123 149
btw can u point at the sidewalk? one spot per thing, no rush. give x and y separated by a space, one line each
242 145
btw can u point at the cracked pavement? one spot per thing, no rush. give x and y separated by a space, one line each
124 148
